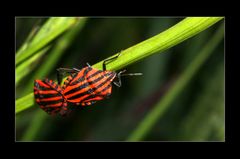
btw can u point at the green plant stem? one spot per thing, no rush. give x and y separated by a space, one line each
53 57
185 29
169 38
62 44
153 116
51 29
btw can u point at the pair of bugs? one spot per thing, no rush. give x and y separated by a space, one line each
82 87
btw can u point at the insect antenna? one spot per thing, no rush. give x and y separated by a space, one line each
120 74
131 74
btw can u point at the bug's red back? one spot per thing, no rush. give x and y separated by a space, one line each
88 86
49 96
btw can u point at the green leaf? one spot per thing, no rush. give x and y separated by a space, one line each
55 54
50 30
58 49
24 68
24 102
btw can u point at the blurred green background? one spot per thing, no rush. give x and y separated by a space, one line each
197 114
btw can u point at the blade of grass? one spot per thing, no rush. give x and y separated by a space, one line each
24 68
153 116
185 29
210 104
50 30
169 38
62 44
30 36
57 51
24 103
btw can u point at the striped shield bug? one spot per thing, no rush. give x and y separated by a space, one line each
89 85
48 95
82 87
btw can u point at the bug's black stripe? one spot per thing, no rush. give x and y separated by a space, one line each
104 89
88 69
99 93
96 80
94 74
100 85
76 89
48 103
49 95
83 78
77 81
47 82
83 86
93 89
51 84
92 96
37 96
42 88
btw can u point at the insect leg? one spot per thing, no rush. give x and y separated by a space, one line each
120 74
119 82
110 59
76 70
88 65
62 71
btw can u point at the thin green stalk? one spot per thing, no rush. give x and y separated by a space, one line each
33 32
185 29
24 68
27 101
57 51
50 30
210 104
154 115
169 38
53 57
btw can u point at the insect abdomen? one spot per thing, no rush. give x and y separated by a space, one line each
48 96
89 86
